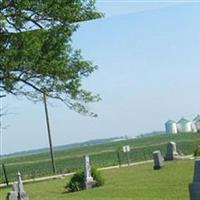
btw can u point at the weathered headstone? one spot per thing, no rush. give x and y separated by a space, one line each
89 181
15 187
158 160
194 187
171 151
17 192
12 196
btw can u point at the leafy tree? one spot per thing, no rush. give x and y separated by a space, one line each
36 53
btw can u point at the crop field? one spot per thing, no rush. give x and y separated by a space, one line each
37 165
139 182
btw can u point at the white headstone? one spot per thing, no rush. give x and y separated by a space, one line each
20 184
89 181
194 187
87 168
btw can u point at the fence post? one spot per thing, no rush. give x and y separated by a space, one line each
118 157
145 158
128 158
5 174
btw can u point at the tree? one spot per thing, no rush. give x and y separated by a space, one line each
36 53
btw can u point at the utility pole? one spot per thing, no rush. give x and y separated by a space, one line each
49 134
5 174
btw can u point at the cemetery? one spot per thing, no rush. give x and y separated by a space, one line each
131 182
124 180
147 56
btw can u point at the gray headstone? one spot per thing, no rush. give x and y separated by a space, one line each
12 196
15 187
171 151
89 181
18 192
158 160
194 187
20 184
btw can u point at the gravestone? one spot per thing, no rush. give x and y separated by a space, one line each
158 160
15 187
89 181
17 192
171 151
12 196
194 187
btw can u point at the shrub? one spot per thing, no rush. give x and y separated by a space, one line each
77 181
97 176
197 151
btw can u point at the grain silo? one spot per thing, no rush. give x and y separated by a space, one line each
170 127
184 126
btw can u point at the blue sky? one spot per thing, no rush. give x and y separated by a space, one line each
149 67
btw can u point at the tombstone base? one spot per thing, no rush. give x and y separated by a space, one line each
157 167
12 196
24 196
173 157
194 189
90 184
179 157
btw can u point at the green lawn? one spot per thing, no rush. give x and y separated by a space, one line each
136 182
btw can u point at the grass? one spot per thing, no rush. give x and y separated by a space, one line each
130 183
101 155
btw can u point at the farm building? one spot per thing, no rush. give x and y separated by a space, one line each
184 126
170 127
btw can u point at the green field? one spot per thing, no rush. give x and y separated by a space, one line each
139 182
101 155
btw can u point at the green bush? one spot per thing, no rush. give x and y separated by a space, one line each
97 176
77 181
197 151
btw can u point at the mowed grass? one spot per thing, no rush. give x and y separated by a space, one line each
129 183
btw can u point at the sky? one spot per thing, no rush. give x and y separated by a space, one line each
149 68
